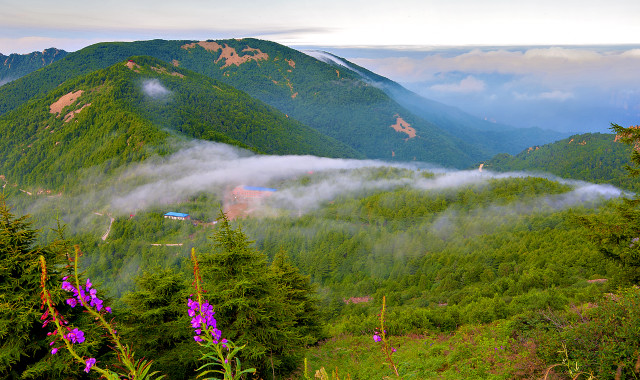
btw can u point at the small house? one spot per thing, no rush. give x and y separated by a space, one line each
177 216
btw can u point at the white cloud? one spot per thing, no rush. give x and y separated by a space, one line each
555 95
155 89
571 66
467 85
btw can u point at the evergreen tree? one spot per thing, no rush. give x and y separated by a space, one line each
617 234
158 325
23 341
250 308
300 297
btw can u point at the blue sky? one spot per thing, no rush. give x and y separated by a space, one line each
571 65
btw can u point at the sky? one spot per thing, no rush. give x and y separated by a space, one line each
569 65
29 25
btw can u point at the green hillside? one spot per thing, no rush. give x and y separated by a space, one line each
481 275
109 118
15 66
592 157
335 101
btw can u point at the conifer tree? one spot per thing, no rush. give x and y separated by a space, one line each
23 344
299 294
157 324
250 308
618 234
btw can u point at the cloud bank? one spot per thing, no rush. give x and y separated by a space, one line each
304 183
569 89
217 168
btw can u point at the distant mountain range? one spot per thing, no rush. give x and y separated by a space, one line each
351 111
15 66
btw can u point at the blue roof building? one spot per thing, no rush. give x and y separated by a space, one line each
177 216
257 188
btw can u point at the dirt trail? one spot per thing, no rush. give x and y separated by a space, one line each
106 234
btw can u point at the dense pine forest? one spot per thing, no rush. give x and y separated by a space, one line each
481 275
593 157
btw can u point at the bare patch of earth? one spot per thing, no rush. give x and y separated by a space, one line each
404 127
64 101
68 117
133 66
236 210
229 54
162 70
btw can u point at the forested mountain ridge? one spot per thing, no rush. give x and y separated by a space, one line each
15 66
128 111
593 157
336 101
493 137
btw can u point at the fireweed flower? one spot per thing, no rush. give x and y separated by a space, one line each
89 363
202 319
75 336
87 297
84 296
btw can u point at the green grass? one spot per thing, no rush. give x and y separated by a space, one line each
471 352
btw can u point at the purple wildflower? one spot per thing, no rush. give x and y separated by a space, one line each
84 296
202 318
54 351
66 285
89 363
75 336
376 338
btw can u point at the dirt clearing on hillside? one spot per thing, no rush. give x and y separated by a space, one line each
65 100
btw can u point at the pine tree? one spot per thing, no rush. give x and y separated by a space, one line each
250 308
158 325
300 295
23 341
617 235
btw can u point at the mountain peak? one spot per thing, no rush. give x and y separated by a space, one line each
229 54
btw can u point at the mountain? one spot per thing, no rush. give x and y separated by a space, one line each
494 138
136 108
336 101
15 66
593 157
